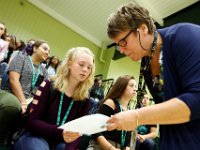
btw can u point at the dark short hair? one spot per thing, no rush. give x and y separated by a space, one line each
129 17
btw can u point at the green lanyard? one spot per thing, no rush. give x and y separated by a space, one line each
34 78
123 133
60 108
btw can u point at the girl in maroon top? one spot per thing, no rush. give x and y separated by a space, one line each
71 85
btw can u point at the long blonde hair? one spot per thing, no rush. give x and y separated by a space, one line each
63 72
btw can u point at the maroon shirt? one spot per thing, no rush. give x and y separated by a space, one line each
42 120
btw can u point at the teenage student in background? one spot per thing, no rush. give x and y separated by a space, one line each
117 100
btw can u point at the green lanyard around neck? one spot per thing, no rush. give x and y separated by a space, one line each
34 77
60 109
123 133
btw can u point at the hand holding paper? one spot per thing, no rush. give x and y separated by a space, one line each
89 124
70 136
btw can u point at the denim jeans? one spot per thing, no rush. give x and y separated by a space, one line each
3 68
29 142
4 76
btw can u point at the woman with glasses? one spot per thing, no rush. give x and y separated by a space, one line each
117 100
171 55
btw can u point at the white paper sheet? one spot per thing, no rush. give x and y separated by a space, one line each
89 124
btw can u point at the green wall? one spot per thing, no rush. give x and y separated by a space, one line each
124 66
27 21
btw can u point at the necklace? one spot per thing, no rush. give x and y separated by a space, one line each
145 66
34 76
60 109
123 133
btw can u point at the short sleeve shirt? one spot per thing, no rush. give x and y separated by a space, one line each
22 65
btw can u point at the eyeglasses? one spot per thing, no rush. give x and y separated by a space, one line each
122 42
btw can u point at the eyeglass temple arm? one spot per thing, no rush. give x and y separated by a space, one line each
111 45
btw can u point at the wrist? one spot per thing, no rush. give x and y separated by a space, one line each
23 103
137 117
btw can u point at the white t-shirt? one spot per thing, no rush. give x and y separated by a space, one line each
3 48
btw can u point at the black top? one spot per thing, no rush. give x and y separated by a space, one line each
114 135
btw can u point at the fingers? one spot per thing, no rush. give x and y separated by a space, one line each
111 127
113 123
70 136
23 109
110 124
69 139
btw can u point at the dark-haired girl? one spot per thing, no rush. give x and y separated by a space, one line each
117 100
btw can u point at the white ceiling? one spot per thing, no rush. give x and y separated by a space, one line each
88 17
